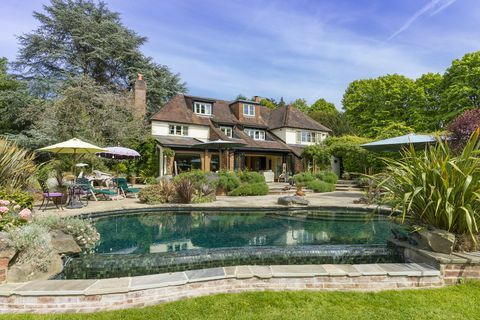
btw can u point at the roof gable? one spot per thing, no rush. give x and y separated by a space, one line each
291 117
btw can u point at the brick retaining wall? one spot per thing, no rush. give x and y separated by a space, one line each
50 296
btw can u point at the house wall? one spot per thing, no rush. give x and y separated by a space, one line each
160 128
289 135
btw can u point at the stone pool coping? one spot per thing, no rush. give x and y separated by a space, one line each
48 296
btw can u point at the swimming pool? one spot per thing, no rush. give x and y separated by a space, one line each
158 242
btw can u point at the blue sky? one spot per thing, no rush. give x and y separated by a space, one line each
295 49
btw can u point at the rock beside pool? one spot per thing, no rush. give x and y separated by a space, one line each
22 272
63 243
437 240
292 200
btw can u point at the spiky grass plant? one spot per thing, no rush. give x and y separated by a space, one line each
16 166
436 188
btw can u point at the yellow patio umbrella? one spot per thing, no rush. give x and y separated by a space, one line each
74 146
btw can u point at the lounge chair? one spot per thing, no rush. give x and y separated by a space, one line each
122 185
91 191
56 197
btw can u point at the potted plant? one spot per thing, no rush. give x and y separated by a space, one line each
300 191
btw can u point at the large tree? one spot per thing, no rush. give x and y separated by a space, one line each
373 104
300 104
322 105
336 121
84 38
431 117
461 86
16 104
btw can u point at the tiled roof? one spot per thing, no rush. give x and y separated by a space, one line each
291 117
172 141
176 110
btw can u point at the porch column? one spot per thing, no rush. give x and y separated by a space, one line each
161 171
206 161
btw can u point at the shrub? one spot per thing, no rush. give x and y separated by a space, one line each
17 166
250 177
23 199
151 180
327 176
320 186
303 177
33 244
228 180
463 127
436 188
152 194
81 230
185 189
252 189
197 177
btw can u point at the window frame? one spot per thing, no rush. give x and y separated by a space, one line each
256 134
225 129
306 136
250 110
206 106
178 130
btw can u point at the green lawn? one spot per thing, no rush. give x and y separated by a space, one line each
456 302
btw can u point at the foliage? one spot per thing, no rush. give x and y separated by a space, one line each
303 177
335 121
21 198
269 103
228 180
327 176
432 117
250 189
147 165
240 97
460 86
372 104
162 192
32 242
81 230
91 112
437 188
319 153
394 130
250 177
197 177
301 104
84 38
13 214
185 189
355 159
17 166
150 180
463 126
322 105
320 186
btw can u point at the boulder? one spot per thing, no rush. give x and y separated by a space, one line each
5 250
292 200
63 243
436 240
22 272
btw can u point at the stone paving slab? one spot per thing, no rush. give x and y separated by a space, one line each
205 274
158 280
309 270
7 289
471 257
230 272
243 272
370 270
113 285
408 269
54 287
263 272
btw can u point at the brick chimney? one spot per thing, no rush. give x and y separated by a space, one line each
140 97
257 99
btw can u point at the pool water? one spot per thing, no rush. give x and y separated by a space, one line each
172 241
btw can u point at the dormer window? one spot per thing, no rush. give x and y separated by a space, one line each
227 131
255 134
248 110
202 108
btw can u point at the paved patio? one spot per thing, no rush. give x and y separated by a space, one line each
343 199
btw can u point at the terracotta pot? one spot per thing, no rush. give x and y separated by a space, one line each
300 193
133 180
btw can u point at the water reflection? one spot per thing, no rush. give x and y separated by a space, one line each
172 232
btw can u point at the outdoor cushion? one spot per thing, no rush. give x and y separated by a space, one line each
53 194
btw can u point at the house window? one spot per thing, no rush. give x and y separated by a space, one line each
307 137
227 131
248 110
255 134
202 108
178 130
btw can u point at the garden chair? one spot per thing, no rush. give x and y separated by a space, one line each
122 185
93 192
55 197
